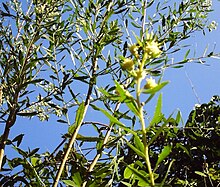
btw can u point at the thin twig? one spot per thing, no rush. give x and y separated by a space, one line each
98 155
193 88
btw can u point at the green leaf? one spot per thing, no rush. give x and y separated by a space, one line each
88 138
138 143
126 97
165 152
186 55
179 118
136 150
70 183
157 114
126 184
155 89
179 145
114 119
159 130
108 115
201 173
127 173
139 175
78 119
77 179
35 161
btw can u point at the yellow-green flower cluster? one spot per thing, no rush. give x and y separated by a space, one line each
141 53
152 49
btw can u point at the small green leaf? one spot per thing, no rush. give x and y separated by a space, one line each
77 179
138 143
127 173
79 116
139 175
186 55
178 117
165 152
70 183
114 119
126 97
200 173
155 89
157 114
35 161
136 150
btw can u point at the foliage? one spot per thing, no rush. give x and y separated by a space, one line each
195 152
54 58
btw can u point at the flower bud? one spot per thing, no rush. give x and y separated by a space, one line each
151 83
134 50
128 64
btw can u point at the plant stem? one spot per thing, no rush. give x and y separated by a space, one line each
142 122
9 123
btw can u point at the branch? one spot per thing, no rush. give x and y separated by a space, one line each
9 123
74 135
98 155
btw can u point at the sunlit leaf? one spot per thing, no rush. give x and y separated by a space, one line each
78 118
201 173
139 175
126 97
155 89
70 183
157 113
136 150
165 152
114 119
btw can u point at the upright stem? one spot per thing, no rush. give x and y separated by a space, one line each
143 126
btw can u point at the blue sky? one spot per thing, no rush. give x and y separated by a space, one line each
178 94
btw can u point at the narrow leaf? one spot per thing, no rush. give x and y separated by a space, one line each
69 183
126 97
200 173
165 152
136 150
157 114
139 175
79 117
138 143
155 89
114 119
